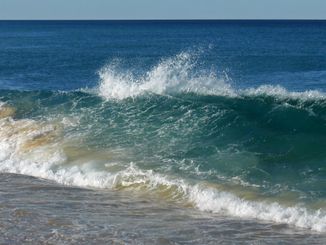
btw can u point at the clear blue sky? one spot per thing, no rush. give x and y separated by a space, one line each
162 9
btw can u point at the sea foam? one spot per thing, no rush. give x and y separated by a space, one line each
179 75
47 159
169 76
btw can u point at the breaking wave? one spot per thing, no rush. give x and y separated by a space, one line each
172 75
35 148
192 129
176 75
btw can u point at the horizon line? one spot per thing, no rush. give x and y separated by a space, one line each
195 19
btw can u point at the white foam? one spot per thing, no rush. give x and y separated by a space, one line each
211 199
34 148
170 76
282 93
177 75
208 199
20 153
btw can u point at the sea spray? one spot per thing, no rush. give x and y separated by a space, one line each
172 75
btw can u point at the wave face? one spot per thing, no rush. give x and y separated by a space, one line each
187 136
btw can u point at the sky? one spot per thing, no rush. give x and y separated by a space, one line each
162 9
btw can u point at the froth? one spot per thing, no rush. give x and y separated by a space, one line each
282 93
179 74
21 140
170 76
35 148
208 199
49 161
211 199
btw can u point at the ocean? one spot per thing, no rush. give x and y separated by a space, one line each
163 132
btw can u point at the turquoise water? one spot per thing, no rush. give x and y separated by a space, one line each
221 119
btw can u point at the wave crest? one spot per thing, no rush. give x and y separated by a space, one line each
170 76
179 75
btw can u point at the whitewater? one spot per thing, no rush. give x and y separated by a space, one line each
42 147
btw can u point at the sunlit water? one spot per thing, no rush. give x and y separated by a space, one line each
163 132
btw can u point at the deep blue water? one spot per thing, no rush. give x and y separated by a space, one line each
227 117
65 55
